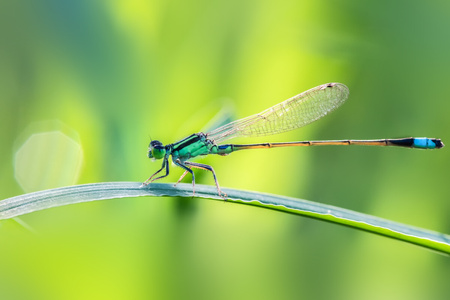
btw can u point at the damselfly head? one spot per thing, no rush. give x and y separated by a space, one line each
156 150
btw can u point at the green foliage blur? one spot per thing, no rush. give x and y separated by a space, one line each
85 85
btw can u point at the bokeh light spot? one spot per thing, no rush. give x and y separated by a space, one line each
47 160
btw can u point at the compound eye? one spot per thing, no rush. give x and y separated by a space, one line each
158 151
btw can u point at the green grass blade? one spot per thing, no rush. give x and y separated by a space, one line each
24 204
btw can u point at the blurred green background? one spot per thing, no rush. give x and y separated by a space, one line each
84 85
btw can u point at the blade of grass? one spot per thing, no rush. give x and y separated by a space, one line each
24 204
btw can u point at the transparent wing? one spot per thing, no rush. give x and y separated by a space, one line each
288 115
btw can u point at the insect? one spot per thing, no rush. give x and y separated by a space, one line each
290 114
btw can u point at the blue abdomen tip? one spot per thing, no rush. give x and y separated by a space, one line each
424 143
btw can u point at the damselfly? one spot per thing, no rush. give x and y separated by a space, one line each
288 115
